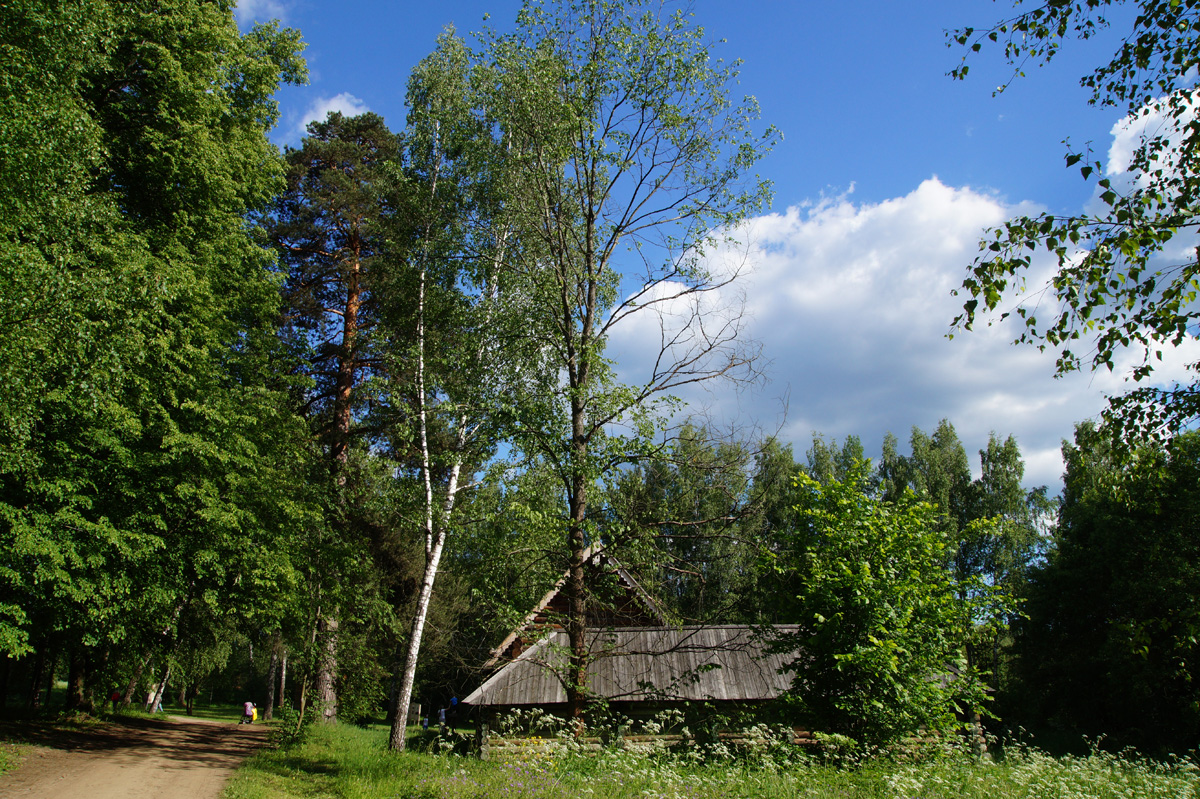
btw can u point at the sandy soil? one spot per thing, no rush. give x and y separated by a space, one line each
165 757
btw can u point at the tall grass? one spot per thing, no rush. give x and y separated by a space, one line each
352 763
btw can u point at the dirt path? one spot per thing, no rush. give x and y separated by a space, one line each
134 759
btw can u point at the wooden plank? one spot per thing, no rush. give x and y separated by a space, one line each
662 657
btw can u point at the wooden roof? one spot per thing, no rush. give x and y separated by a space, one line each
639 664
637 609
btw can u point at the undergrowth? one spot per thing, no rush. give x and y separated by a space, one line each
352 763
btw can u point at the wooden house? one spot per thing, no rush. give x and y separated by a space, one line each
641 670
637 662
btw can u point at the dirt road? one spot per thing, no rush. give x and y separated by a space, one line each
136 759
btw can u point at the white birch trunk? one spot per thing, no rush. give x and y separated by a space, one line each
162 686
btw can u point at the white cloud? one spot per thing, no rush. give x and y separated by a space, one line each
250 11
344 103
852 304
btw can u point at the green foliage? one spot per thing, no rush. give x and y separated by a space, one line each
147 447
1110 645
881 623
992 523
350 762
828 461
1120 284
624 160
290 728
685 521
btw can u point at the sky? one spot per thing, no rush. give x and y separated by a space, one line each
888 173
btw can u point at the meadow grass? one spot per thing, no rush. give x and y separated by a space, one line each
351 763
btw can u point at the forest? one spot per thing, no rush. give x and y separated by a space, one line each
318 427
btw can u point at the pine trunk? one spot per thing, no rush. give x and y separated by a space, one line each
326 683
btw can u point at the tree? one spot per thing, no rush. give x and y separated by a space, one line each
937 471
993 526
1109 645
880 623
628 165
1119 284
328 227
829 461
140 337
686 522
993 522
460 364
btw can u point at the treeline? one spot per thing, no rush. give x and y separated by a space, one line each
1065 617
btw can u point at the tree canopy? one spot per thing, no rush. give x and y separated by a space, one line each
1108 644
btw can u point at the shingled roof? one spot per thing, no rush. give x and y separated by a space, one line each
639 664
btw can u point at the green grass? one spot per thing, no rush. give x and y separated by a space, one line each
218 712
211 712
11 755
351 763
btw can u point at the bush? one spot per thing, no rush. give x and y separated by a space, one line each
290 728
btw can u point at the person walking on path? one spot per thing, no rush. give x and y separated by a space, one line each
247 713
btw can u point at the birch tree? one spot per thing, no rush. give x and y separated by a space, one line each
1128 277
629 164
457 363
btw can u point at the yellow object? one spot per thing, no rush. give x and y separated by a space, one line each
254 714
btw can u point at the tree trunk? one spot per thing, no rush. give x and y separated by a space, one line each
268 710
5 671
435 536
282 679
36 677
162 686
77 673
576 630
326 684
51 668
127 697
303 696
433 557
576 589
326 679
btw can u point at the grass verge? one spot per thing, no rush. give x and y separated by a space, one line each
352 763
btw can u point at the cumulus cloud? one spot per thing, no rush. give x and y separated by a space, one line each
852 305
250 11
344 103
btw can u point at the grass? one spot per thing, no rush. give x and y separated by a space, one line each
11 755
210 712
217 712
352 763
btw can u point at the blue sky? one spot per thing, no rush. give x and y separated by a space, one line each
887 174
